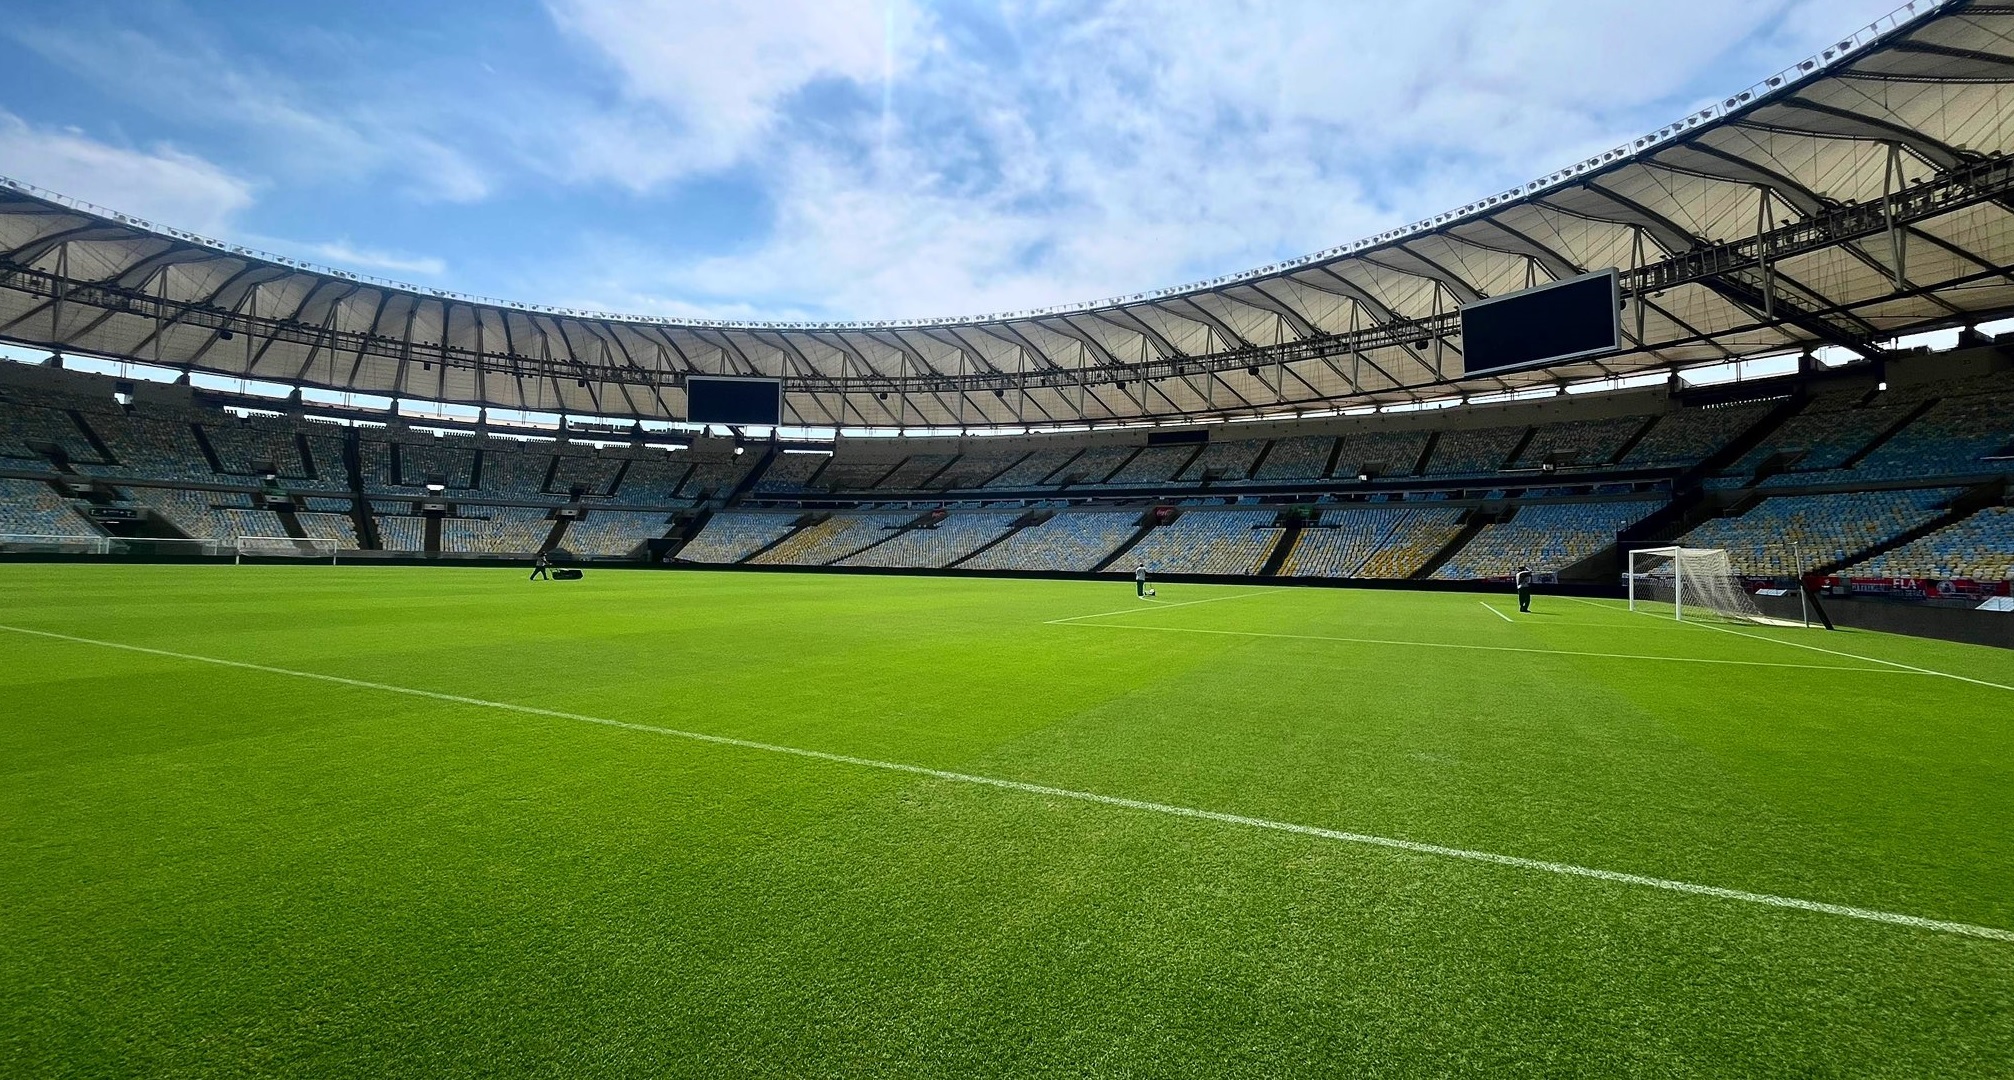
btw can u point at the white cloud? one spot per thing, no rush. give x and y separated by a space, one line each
343 253
161 183
1070 152
302 135
709 75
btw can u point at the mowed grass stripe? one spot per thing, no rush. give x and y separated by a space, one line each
1895 669
1412 846
1896 664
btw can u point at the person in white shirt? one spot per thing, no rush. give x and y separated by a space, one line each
1524 588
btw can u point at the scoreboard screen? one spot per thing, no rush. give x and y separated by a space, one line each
1565 320
711 399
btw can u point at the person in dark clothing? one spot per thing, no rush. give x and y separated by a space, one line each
1524 588
538 568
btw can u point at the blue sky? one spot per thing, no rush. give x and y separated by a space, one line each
831 159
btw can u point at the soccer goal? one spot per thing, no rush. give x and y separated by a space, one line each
1701 581
288 547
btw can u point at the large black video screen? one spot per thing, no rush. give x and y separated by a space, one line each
715 400
1566 320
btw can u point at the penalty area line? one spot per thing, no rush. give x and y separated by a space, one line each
1495 612
1917 922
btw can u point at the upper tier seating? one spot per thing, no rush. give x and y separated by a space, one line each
914 470
790 473
715 479
148 445
1209 542
22 427
1093 465
1228 461
654 480
1577 443
1381 453
1154 465
594 474
1831 428
1301 457
1473 451
1032 470
512 470
1687 436
249 446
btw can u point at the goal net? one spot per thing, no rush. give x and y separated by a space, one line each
288 547
1690 582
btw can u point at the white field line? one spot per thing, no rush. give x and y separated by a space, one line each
1158 603
1831 652
1917 922
1495 612
1497 648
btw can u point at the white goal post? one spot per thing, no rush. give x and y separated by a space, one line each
1700 580
288 547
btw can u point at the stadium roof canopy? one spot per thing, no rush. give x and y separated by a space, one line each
1859 195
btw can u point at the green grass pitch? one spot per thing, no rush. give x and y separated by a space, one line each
223 870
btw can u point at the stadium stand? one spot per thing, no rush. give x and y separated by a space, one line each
951 539
1072 540
654 479
1385 542
337 527
1811 530
790 473
1154 465
592 474
1227 461
733 536
914 470
1209 542
1544 536
28 508
1092 466
1033 469
1684 437
1474 451
253 445
1979 548
1831 428
1301 457
209 515
1577 443
609 533
1381 453
402 533
835 537
499 530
